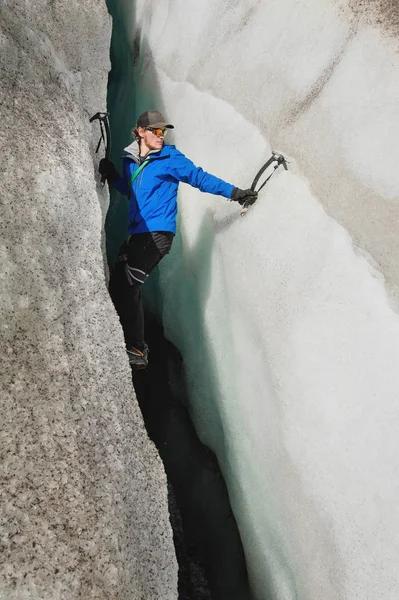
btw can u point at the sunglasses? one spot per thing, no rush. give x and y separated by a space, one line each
158 131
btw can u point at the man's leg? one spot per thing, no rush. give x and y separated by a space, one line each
119 287
145 250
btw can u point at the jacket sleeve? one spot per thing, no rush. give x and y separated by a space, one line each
121 184
184 170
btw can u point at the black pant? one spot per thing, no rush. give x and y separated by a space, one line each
137 258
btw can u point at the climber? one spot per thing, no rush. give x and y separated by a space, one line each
151 175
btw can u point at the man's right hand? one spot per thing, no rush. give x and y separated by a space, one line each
107 170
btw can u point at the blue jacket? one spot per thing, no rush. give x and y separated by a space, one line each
152 196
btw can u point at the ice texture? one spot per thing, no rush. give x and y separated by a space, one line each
288 318
84 511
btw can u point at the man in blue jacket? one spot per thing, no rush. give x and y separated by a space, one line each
151 175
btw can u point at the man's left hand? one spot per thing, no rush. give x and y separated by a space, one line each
247 197
107 170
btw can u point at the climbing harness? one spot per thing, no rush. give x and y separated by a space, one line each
105 136
279 160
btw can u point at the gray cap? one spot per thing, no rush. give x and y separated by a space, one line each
153 118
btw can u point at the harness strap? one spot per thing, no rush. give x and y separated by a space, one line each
137 171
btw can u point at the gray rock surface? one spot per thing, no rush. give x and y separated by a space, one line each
84 505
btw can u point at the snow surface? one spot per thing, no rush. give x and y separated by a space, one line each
287 318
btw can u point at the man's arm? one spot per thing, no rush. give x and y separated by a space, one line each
183 169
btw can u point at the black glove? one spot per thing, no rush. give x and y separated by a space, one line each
247 197
107 170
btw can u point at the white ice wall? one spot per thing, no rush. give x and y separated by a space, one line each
287 318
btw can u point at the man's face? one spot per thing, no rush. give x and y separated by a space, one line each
150 139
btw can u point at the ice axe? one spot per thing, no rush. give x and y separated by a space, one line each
279 160
105 136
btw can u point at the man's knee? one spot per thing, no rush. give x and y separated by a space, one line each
135 276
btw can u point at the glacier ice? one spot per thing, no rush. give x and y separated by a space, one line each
83 493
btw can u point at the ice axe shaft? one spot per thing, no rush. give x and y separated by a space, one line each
105 136
279 160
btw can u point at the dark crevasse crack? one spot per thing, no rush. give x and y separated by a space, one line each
207 542
208 546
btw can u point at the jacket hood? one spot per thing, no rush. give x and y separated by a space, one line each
133 149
